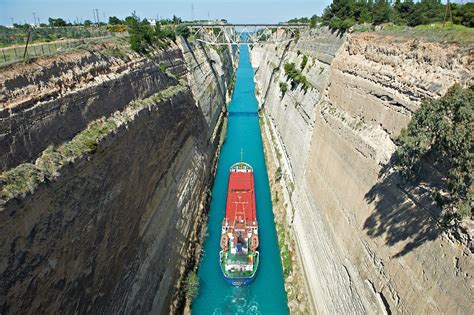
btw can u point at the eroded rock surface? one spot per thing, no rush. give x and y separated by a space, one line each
116 230
367 243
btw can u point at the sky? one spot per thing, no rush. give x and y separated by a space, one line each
242 11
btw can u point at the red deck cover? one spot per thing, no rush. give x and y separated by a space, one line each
240 197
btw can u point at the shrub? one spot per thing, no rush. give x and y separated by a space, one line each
303 62
183 30
283 87
296 76
191 286
162 67
442 129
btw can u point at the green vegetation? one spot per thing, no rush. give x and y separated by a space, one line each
230 88
113 20
303 62
283 88
15 36
435 32
143 35
19 180
313 21
27 176
183 30
57 22
284 251
162 67
441 133
191 286
296 76
278 174
343 14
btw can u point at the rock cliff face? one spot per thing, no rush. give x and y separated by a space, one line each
114 230
367 244
48 101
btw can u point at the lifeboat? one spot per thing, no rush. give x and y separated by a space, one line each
224 242
253 242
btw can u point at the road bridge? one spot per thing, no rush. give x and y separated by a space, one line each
250 33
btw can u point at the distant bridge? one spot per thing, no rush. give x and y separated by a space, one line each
250 34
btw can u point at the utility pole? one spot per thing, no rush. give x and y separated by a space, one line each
448 8
34 18
13 22
192 11
98 20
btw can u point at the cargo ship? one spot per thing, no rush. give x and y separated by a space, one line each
239 257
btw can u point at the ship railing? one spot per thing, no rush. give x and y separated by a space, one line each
241 167
257 261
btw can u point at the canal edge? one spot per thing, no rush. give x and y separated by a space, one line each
294 276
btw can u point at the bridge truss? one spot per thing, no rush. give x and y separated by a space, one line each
250 34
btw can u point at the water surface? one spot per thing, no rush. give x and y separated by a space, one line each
266 294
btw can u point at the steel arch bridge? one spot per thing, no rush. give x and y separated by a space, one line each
249 34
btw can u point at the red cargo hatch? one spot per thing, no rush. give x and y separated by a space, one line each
240 197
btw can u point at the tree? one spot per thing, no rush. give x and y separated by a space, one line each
137 41
441 129
362 11
176 20
87 23
113 20
313 22
381 12
56 22
339 14
21 26
431 11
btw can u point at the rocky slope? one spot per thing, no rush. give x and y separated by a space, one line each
367 244
109 223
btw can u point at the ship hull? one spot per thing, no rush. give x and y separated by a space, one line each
239 257
239 281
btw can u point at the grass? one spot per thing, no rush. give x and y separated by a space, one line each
26 177
435 32
284 252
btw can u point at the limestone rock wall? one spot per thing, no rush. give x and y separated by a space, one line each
48 101
117 229
367 244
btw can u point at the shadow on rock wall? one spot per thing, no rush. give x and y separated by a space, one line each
404 213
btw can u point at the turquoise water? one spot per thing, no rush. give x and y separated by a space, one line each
266 294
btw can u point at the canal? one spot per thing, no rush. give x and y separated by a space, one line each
266 294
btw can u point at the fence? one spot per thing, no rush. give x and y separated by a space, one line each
16 53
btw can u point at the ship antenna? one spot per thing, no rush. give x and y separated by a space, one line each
241 156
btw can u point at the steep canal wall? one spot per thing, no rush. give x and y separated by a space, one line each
107 160
365 243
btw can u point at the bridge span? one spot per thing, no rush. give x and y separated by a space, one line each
245 33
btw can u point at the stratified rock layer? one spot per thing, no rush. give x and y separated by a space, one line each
116 230
367 243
